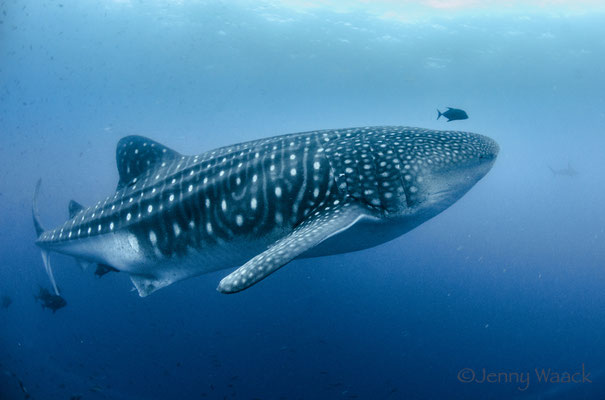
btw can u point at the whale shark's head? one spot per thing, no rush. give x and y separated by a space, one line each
408 172
442 166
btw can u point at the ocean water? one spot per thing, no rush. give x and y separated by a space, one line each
508 281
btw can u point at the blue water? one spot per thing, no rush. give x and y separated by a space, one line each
508 280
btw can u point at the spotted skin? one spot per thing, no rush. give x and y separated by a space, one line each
174 216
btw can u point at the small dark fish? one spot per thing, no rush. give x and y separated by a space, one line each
23 388
49 300
96 389
453 114
6 301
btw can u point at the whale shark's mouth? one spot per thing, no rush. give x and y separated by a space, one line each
443 197
445 187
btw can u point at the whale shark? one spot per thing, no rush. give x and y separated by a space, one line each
256 206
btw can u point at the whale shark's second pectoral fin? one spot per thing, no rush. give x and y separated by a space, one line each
320 226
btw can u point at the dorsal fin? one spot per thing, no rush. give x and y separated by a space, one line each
74 208
136 155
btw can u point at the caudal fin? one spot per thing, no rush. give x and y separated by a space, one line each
39 231
439 114
35 213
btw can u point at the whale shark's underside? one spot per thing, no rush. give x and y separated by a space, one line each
260 204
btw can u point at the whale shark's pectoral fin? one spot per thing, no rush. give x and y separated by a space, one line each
320 226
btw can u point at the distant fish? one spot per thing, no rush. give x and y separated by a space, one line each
23 389
6 301
26 394
569 171
49 300
96 389
453 114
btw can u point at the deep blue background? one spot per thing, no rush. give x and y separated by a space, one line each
509 279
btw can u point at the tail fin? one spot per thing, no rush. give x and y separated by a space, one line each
552 170
439 114
35 213
39 231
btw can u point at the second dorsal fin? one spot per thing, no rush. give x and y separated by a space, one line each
136 155
74 208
